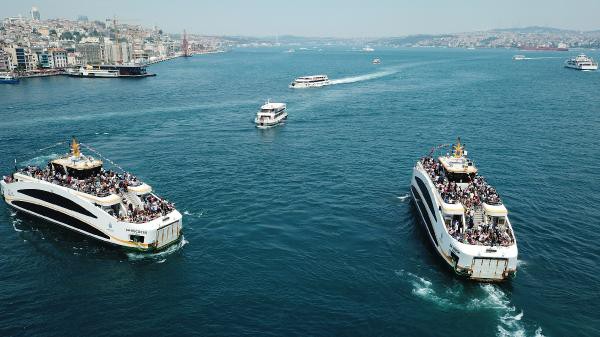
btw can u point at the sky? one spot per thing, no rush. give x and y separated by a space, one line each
324 18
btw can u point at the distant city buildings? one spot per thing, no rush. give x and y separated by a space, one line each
30 44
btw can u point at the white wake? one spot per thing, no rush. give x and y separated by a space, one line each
493 299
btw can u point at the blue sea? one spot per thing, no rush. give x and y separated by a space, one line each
307 229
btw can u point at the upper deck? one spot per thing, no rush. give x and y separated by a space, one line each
120 194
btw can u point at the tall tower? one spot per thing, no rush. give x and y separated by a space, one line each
184 45
35 14
117 44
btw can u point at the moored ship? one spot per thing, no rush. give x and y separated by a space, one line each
8 78
581 62
310 81
464 217
111 71
76 192
270 114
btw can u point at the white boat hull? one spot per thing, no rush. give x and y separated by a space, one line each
268 122
477 262
65 208
303 85
583 67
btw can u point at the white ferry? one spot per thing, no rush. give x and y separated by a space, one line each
519 57
581 62
75 192
377 61
110 71
270 114
310 81
464 217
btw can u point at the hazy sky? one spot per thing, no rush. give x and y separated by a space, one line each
336 18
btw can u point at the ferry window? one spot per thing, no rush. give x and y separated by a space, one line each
448 222
501 221
136 238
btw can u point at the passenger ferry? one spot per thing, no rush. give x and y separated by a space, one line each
310 81
464 217
7 78
581 62
76 192
111 71
270 114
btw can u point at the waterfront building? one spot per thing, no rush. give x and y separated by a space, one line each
90 52
5 64
59 58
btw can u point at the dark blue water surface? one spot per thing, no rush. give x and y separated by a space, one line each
307 229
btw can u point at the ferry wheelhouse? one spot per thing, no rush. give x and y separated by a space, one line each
581 62
310 81
270 114
76 192
464 217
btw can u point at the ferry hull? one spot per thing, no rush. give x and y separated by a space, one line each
91 221
268 124
478 263
308 85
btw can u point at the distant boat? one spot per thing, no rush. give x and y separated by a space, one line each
519 57
310 81
270 114
368 49
533 48
471 48
8 79
581 62
376 61
110 71
292 50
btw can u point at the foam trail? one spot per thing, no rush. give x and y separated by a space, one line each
160 255
493 299
403 197
361 78
14 223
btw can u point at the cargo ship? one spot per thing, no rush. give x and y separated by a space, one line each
110 71
533 48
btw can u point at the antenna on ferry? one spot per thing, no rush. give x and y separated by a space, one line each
458 149
75 147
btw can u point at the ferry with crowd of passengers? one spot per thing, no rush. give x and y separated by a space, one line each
77 193
464 217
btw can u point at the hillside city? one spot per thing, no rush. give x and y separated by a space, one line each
35 46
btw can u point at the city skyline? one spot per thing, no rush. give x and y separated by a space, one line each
335 18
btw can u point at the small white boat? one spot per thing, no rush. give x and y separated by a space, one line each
310 81
377 61
270 114
581 62
519 57
368 49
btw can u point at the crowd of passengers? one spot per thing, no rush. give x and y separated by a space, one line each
105 183
485 234
471 197
153 208
477 191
